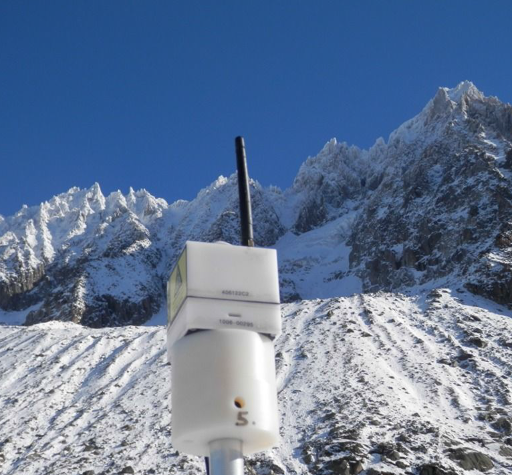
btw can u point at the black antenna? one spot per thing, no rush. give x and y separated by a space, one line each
244 193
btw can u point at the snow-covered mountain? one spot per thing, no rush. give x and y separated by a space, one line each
399 361
431 206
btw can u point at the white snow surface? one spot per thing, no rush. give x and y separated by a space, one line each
377 368
320 257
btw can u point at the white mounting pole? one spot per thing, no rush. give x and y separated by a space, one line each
226 457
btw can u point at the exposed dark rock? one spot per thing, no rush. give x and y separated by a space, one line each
508 160
401 464
432 469
90 446
477 341
344 446
503 425
446 361
311 215
388 451
506 451
373 471
463 356
262 466
470 459
15 293
338 467
343 466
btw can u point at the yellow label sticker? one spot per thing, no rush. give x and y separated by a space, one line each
177 287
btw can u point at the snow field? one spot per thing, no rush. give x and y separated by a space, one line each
421 373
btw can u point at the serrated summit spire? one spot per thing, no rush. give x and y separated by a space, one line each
464 88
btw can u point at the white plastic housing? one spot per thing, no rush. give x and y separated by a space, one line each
223 387
223 271
220 286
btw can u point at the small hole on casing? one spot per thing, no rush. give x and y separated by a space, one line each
239 402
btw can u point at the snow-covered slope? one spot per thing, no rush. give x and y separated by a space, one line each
385 383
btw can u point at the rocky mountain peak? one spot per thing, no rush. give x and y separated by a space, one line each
431 204
464 90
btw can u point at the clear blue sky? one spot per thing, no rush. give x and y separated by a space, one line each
151 94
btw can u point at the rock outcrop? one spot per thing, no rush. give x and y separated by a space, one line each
432 204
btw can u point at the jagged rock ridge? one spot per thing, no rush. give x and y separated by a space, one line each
432 205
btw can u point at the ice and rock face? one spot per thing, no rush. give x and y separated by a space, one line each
431 205
443 209
103 261
326 182
83 257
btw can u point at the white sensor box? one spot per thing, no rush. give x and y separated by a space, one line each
217 286
223 379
